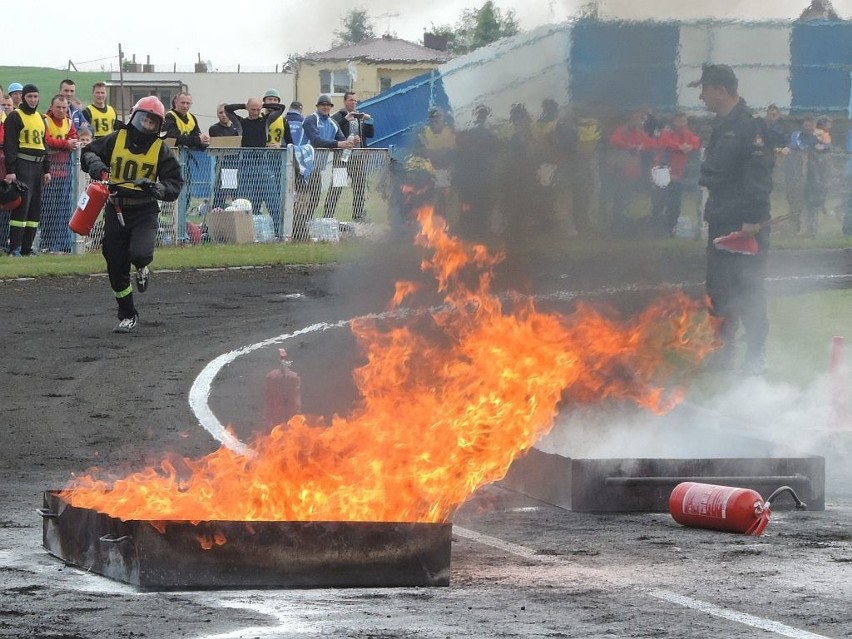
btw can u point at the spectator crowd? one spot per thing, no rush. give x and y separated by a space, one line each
556 170
581 171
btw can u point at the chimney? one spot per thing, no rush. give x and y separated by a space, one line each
133 67
148 67
200 67
433 41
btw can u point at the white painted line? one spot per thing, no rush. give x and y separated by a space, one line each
275 608
199 393
733 615
681 600
508 547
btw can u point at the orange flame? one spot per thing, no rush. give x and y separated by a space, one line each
448 400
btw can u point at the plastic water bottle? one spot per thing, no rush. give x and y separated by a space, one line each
347 152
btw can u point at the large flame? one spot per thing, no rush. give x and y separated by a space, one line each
449 399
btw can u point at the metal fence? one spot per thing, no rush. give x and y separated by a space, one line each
236 196
243 196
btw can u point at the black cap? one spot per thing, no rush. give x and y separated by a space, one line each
295 104
717 75
324 98
29 88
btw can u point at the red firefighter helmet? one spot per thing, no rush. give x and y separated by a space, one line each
140 115
11 194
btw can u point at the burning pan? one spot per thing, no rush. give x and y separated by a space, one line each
263 554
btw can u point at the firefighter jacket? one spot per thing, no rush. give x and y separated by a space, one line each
737 170
129 162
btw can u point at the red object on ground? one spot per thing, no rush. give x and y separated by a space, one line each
88 208
283 393
737 242
739 510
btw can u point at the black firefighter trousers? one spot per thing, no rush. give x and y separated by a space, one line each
130 244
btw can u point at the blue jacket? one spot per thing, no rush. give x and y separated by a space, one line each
295 120
322 132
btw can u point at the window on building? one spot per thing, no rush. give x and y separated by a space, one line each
165 95
384 83
334 81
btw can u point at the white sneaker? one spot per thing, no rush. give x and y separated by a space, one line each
126 325
143 279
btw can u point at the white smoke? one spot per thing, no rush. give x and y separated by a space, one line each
754 418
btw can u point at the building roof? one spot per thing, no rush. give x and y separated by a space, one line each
384 49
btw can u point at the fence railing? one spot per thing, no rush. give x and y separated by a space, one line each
238 196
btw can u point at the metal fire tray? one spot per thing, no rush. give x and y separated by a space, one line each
263 554
644 485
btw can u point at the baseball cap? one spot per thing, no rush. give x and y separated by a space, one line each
295 104
717 75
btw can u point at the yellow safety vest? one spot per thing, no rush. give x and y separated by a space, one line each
184 128
31 135
56 131
127 166
276 130
103 120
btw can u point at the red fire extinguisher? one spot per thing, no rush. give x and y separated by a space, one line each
727 508
89 206
283 393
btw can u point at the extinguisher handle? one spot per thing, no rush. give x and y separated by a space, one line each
800 505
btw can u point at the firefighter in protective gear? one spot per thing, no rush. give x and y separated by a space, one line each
141 171
26 161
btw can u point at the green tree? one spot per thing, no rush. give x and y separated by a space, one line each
357 27
478 27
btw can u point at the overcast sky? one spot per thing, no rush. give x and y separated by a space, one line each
176 32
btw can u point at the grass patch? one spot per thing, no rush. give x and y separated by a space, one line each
185 258
801 331
47 80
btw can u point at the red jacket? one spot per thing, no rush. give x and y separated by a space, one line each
669 151
625 158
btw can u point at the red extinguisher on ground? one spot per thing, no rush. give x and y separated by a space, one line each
89 206
739 510
283 393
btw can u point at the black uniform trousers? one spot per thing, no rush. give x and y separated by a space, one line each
23 221
736 286
131 244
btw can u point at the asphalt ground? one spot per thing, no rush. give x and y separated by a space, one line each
75 395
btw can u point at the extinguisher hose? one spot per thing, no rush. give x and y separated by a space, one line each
800 505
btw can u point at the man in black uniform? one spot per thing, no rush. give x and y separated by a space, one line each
737 172
141 170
